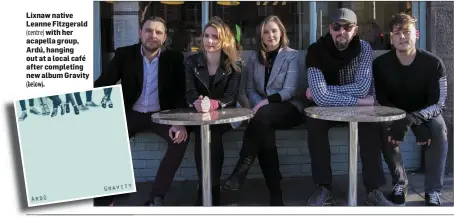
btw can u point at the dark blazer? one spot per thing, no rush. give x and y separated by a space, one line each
225 85
127 65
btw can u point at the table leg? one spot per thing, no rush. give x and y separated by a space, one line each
206 165
352 163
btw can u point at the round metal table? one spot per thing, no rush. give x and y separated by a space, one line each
190 117
353 115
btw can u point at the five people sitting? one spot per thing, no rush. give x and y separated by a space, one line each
340 72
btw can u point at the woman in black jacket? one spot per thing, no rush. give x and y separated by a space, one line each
212 82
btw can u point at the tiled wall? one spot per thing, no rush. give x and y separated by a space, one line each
148 149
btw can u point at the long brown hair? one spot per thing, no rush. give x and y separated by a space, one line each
228 43
261 49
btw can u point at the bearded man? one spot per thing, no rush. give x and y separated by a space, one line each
152 79
339 71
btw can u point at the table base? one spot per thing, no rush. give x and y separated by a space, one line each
206 164
352 163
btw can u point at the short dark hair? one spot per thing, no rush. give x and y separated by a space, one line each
146 16
153 19
403 20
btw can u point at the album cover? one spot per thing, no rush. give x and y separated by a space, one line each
74 146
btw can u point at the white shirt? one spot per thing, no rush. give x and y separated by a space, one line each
149 98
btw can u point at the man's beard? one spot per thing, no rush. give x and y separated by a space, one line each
149 48
341 45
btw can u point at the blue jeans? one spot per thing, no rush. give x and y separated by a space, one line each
23 107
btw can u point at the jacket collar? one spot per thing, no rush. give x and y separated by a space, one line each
145 58
201 60
203 74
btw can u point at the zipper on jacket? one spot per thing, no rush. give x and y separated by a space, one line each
197 72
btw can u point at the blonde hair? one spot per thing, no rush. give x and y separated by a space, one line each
228 43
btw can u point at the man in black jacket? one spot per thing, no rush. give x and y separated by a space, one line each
152 80
413 80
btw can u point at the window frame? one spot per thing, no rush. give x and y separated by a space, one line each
419 9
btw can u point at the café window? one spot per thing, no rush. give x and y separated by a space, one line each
244 17
184 20
373 18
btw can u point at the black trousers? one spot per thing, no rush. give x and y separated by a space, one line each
260 137
370 146
216 151
139 122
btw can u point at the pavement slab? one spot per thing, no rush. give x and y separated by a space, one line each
296 192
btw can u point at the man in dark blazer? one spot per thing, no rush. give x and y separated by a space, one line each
152 80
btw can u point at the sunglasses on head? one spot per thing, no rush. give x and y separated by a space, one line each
347 27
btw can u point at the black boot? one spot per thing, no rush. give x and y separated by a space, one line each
239 174
274 188
54 112
199 200
215 196
67 108
103 102
155 201
76 110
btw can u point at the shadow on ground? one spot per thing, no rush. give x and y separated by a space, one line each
296 192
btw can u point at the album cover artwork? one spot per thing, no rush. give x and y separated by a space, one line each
74 146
